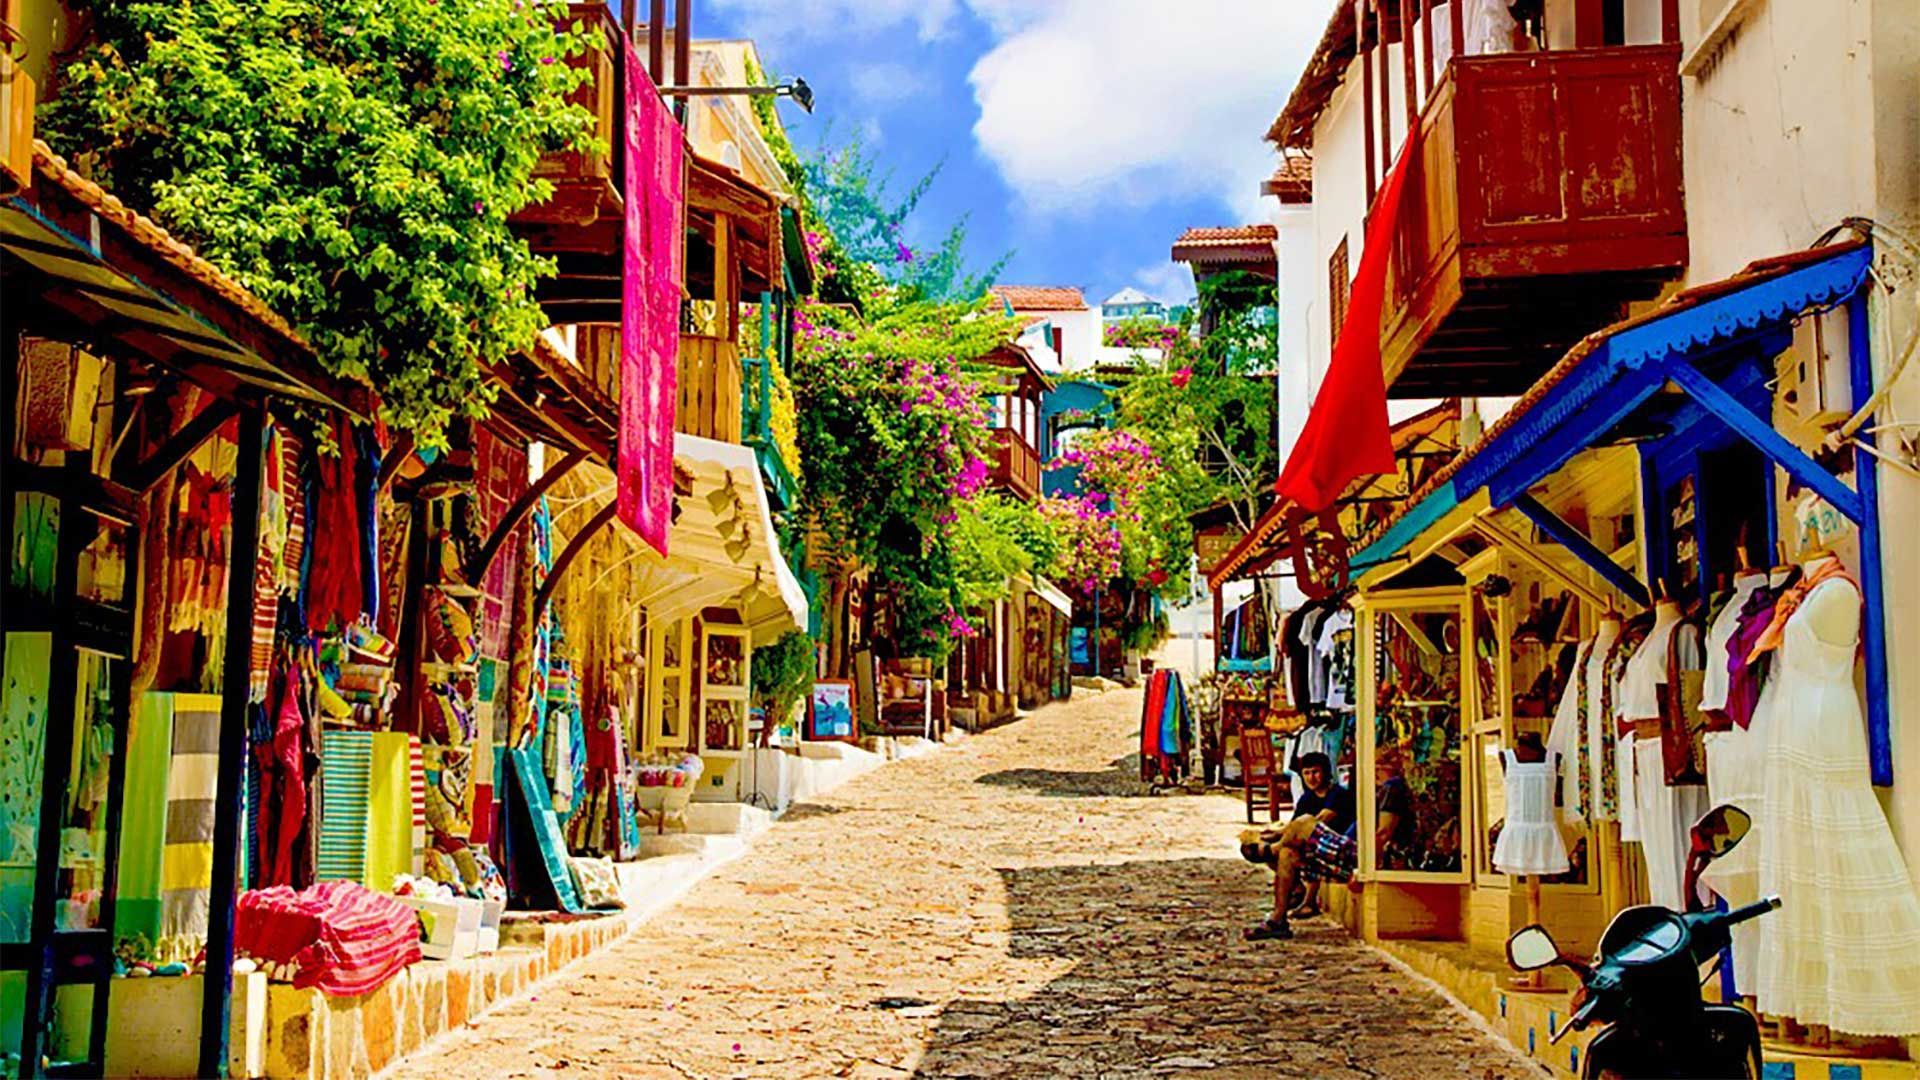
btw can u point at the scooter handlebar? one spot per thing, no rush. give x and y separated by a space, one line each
1753 910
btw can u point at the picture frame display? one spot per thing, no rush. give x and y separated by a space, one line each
830 712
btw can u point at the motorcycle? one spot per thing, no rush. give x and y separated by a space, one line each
1645 984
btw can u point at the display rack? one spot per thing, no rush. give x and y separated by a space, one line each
726 657
670 646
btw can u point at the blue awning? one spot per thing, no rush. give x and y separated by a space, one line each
1404 531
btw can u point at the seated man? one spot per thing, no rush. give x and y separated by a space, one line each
1318 844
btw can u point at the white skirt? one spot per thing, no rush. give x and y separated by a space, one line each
1530 848
1666 814
1736 762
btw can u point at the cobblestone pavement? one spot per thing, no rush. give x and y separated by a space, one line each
1014 906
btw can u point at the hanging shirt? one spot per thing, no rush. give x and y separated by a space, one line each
1327 650
1647 671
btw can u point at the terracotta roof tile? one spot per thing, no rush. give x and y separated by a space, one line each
1228 236
1292 180
1041 297
149 233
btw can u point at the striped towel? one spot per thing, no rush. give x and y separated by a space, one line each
344 938
186 871
417 766
347 764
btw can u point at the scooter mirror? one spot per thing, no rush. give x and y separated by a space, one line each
1531 949
1720 830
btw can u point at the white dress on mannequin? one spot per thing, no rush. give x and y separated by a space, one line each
1735 767
1664 813
1530 842
1841 950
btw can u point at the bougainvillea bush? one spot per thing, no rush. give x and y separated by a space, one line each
893 430
1142 334
1127 478
352 162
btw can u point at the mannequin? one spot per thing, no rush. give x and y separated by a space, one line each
1531 844
1664 812
1837 955
1735 756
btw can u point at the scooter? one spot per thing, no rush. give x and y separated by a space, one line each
1645 984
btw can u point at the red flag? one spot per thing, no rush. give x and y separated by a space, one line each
1347 434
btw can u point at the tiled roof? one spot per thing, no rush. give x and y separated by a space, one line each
1041 297
143 229
1292 179
1293 128
1226 244
1228 236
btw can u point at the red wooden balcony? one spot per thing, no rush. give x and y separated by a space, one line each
1547 196
584 214
1015 465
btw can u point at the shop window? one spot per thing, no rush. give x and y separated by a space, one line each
1417 717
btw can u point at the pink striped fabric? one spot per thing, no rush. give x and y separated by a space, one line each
345 939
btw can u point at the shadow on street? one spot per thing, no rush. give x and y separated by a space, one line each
1161 983
1120 779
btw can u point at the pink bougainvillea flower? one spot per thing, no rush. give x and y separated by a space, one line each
1182 377
902 253
506 60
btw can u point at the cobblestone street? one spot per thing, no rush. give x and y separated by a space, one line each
1011 907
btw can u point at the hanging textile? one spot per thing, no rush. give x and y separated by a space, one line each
1347 434
347 767
389 809
334 574
143 820
417 794
186 875
651 257
541 831
282 759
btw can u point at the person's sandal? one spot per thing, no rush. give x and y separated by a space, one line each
1268 930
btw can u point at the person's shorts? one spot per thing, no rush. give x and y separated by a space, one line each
1329 856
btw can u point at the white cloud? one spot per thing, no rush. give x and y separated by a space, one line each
886 82
1097 102
1168 282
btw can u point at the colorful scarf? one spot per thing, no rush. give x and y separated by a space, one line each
1790 601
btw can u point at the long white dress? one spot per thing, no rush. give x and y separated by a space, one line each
1530 841
1664 813
1844 948
1736 769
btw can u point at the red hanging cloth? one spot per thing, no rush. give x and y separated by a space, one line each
1347 434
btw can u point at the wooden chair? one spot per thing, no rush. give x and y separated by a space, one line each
1258 770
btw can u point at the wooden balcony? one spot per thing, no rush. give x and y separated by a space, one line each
709 401
1016 465
585 214
1547 196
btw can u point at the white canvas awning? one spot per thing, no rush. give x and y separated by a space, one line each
723 551
1047 591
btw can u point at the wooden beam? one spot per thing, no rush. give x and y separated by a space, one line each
682 53
1764 438
1527 553
1366 89
573 549
656 40
1406 64
1583 548
168 456
1873 616
1426 48
243 549
397 455
518 512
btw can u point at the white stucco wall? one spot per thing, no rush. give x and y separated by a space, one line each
1080 337
1302 280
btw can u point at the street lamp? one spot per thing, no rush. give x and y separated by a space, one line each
798 90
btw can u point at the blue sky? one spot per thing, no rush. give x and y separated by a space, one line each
1081 135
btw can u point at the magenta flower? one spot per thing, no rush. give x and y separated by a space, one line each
506 60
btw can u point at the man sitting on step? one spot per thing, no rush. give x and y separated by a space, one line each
1318 845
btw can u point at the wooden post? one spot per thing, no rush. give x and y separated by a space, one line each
243 550
1406 64
1366 87
1380 44
1426 48
1532 980
1458 24
682 53
656 40
1589 24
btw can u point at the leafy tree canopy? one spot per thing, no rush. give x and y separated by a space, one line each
353 163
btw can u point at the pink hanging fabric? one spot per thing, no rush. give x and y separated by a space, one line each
650 306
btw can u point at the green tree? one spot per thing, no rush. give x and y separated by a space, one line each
353 163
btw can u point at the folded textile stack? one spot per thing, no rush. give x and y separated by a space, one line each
338 936
669 769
